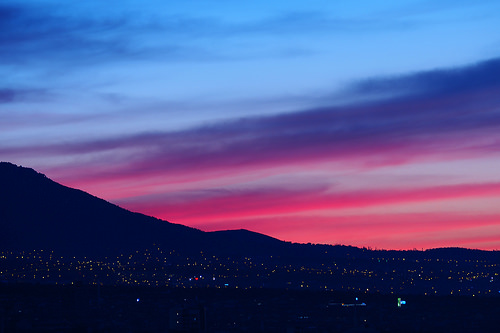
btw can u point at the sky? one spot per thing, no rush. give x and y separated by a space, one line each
366 123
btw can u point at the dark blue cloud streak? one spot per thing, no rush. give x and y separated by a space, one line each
9 95
480 76
445 105
34 33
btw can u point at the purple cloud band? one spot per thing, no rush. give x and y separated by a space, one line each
432 119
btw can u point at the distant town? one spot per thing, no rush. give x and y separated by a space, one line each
156 291
382 273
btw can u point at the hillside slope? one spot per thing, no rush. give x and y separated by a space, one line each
38 213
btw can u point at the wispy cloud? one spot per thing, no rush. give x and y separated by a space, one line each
216 206
36 33
440 82
9 95
430 122
306 22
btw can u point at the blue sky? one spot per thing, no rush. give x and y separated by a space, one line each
281 99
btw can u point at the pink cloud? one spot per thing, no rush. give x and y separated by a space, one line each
223 204
366 136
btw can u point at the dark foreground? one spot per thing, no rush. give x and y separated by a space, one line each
81 308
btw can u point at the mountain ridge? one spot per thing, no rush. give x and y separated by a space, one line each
39 213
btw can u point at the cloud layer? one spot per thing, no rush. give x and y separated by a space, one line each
433 122
121 103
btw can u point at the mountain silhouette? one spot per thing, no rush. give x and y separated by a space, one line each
38 213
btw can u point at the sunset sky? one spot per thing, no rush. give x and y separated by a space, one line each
366 123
